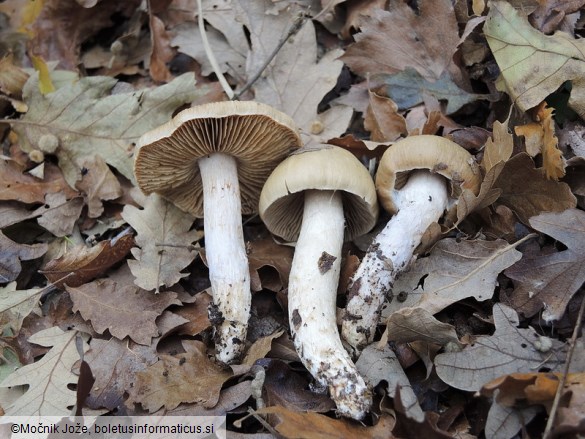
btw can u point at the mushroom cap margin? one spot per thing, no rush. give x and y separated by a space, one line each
325 167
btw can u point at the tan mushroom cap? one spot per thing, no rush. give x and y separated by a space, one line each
435 153
325 167
257 135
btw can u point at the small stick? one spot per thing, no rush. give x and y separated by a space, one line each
553 411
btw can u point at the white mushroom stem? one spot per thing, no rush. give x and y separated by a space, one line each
312 295
421 202
226 255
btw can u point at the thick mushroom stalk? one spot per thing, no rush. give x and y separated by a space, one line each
420 203
312 294
226 254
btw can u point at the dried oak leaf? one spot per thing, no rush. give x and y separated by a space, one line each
11 253
260 348
527 191
15 185
532 64
294 82
293 425
114 364
49 378
164 242
549 15
88 120
264 258
15 305
417 324
124 310
394 40
453 271
97 183
382 119
196 314
175 379
58 215
509 350
551 280
82 264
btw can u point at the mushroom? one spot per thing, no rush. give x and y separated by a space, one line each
211 161
317 197
411 182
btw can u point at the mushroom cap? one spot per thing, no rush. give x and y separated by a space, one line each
435 153
257 135
324 167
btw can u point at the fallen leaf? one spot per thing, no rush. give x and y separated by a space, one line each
417 324
175 379
58 215
15 305
509 350
11 253
97 183
260 348
88 120
453 271
162 53
527 191
82 264
124 310
549 15
264 254
196 314
114 364
533 65
498 148
382 119
506 421
165 243
49 378
549 281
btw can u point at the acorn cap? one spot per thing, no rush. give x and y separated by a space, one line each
324 167
257 135
435 153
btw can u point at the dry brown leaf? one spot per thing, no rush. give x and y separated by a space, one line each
196 314
11 253
114 363
417 324
383 120
124 310
162 52
174 379
58 215
549 281
357 13
264 254
527 192
15 185
498 148
453 271
165 243
82 264
509 350
550 14
297 425
49 378
260 348
15 305
394 40
97 183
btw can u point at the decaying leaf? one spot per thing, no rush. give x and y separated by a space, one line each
417 324
88 120
196 314
165 243
124 310
97 183
453 271
382 119
549 281
534 65
82 264
174 379
48 379
11 253
15 305
509 350
58 215
264 257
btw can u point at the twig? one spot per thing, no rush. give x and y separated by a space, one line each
210 56
299 20
555 406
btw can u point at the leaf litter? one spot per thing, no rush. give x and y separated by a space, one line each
491 305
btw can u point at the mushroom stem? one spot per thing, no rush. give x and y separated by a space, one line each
421 202
312 295
226 255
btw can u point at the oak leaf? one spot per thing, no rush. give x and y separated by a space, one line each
15 305
124 310
49 378
551 280
97 183
164 242
382 120
11 253
58 215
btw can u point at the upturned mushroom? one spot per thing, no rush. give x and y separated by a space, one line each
317 197
411 182
211 161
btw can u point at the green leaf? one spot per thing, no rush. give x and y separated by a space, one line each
532 64
407 89
88 119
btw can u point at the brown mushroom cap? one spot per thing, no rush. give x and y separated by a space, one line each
325 167
435 153
257 135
